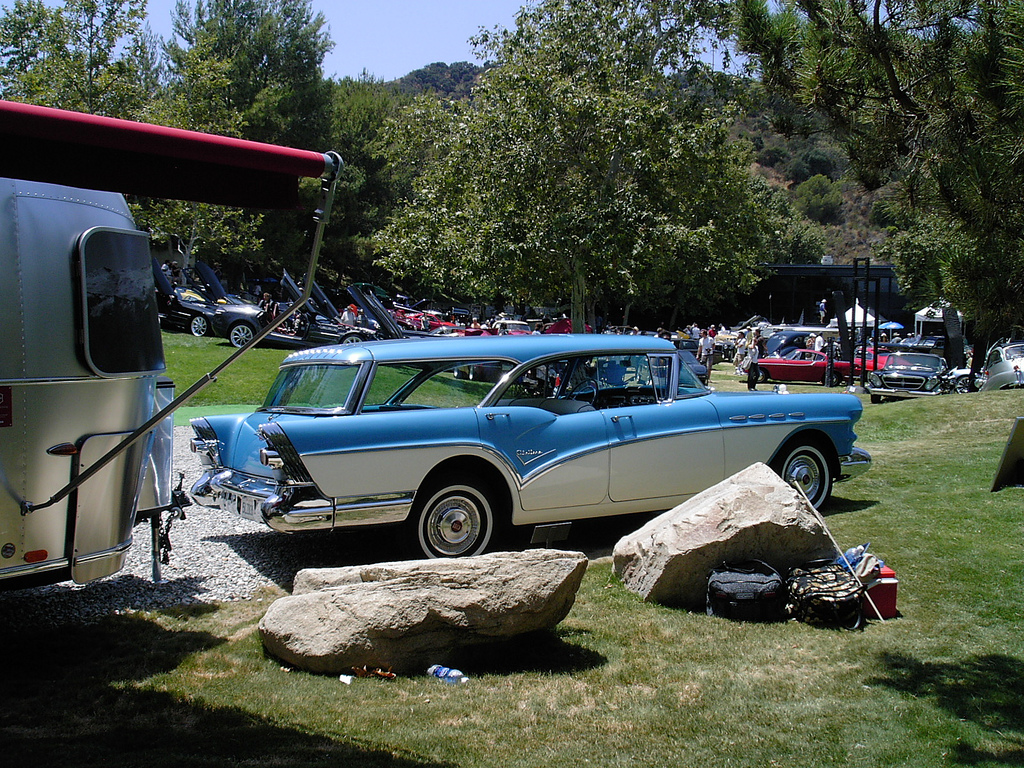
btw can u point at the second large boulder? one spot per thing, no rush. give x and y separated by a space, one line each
754 514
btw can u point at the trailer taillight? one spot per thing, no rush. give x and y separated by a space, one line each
36 556
63 449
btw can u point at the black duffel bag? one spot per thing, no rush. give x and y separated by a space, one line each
746 591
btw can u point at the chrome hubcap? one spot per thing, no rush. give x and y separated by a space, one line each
804 472
453 526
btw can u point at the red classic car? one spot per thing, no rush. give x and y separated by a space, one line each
804 365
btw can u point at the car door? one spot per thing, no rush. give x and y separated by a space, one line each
809 366
559 458
672 447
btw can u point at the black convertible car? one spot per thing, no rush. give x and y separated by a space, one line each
184 307
204 307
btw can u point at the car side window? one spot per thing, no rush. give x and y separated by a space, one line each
433 384
538 382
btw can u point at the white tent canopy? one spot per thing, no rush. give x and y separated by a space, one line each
855 315
931 315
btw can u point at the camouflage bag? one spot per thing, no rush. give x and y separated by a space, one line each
826 594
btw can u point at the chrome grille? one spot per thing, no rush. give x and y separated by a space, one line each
904 381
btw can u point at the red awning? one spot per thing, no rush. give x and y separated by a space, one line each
80 150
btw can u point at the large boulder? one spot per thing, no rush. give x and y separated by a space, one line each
752 515
407 615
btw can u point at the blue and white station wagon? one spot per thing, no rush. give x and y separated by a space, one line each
455 438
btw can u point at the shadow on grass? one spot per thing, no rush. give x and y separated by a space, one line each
985 690
68 702
840 506
544 651
45 607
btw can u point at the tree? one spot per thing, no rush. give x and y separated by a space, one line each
929 96
273 51
195 101
367 191
87 55
819 199
584 166
270 55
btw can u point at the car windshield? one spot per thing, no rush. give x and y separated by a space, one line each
515 325
915 361
191 293
778 340
312 387
432 384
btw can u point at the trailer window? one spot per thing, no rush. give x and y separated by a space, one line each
121 331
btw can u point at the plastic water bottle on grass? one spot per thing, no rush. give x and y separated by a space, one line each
447 675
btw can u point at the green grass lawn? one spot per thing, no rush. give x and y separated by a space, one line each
620 682
241 386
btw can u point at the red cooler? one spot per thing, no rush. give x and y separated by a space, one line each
883 593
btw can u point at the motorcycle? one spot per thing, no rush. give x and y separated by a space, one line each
955 380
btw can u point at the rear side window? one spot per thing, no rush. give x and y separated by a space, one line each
121 330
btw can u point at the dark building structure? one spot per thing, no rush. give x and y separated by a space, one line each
792 291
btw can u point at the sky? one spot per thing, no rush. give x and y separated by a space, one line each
390 38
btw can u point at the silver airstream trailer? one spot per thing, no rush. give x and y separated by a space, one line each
81 404
78 370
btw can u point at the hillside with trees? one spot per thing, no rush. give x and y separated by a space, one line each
814 170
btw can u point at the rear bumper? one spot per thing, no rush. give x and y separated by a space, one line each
292 508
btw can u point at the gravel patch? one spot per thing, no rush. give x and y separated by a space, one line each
217 557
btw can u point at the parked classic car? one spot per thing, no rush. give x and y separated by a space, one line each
907 374
309 328
561 428
781 342
184 307
1004 366
801 365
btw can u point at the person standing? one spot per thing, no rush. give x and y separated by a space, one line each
753 355
269 307
741 353
706 350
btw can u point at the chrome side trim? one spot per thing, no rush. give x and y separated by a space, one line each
30 568
92 556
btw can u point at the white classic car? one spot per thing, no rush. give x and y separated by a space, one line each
1004 366
455 438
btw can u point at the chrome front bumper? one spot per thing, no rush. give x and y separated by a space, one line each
289 508
894 393
855 464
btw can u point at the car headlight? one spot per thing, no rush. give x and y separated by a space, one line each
931 383
875 380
